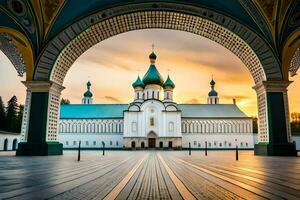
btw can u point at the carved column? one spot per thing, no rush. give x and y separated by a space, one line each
274 132
40 120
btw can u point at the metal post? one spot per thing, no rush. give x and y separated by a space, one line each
236 150
103 148
236 153
189 148
78 158
205 148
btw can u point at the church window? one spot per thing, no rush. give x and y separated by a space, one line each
215 143
67 143
151 121
94 143
195 143
171 126
220 144
199 145
157 95
87 143
167 95
74 143
153 94
241 144
229 144
117 143
209 144
138 95
110 143
246 144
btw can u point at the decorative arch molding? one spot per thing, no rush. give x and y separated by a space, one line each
10 49
66 47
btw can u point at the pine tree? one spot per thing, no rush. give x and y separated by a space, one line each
2 115
11 114
19 118
64 101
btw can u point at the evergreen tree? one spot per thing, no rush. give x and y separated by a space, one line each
12 114
2 115
64 101
19 118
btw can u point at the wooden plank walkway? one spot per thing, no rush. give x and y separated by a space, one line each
149 175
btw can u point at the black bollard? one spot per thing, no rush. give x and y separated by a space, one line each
189 148
205 148
78 158
103 148
236 153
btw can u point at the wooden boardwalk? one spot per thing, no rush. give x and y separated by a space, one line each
149 175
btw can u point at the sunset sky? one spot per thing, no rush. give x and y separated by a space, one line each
191 60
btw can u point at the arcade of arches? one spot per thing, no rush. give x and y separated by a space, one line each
44 39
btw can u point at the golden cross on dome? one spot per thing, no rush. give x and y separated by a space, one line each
153 47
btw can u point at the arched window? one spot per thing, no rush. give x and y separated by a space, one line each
171 126
14 144
138 95
151 121
5 144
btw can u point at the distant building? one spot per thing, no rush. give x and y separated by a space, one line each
9 141
154 120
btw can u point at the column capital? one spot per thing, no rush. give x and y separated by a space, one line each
43 86
272 86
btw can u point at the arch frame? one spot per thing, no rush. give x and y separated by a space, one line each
53 56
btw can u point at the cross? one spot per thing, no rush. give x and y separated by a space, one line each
153 47
138 71
169 71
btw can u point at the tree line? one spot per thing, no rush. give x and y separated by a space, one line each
11 115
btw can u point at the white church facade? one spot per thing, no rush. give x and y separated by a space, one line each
154 120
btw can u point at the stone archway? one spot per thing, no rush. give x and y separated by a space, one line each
66 47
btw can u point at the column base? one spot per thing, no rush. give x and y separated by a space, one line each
44 149
286 149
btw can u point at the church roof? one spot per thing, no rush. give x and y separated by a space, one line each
211 111
92 111
111 111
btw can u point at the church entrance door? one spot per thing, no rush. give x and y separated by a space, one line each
151 142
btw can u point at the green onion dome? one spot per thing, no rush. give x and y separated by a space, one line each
169 83
138 83
212 93
88 92
152 56
153 76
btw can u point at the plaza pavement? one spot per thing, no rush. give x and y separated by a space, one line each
149 175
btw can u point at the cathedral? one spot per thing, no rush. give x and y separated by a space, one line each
154 120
